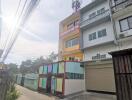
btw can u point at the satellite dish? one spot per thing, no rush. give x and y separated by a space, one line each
76 5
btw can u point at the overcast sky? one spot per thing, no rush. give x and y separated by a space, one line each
42 29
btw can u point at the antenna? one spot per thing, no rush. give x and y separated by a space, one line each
76 5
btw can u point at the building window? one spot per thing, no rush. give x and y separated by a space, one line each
102 33
92 15
74 76
126 24
117 2
100 11
70 26
75 42
130 22
92 36
76 22
72 42
68 44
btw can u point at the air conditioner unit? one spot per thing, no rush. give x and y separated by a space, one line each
121 36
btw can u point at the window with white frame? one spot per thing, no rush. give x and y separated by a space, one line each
92 15
72 42
126 24
102 33
102 10
92 36
117 2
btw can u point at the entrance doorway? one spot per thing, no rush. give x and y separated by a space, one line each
48 89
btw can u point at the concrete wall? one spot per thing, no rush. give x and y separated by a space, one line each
97 41
102 49
74 86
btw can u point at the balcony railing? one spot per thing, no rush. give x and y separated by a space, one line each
96 18
70 30
118 6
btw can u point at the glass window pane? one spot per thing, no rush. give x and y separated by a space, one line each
94 35
92 15
76 22
70 26
99 34
75 42
130 22
100 11
90 37
119 1
68 43
124 25
104 32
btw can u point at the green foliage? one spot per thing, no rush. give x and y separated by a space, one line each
13 68
31 66
12 93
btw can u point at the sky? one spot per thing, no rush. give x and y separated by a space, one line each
40 35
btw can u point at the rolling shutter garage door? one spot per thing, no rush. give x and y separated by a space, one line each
100 76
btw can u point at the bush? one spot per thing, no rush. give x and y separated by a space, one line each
12 93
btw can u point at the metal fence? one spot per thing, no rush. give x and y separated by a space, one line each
123 73
5 83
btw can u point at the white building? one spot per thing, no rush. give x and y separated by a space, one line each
97 30
97 39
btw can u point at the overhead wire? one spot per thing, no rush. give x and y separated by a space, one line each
0 21
12 34
30 8
15 15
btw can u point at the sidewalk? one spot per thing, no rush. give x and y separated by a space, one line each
27 94
92 96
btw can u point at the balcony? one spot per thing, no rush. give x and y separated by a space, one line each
98 19
119 6
73 30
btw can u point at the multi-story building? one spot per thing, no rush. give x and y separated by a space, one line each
122 21
97 39
69 38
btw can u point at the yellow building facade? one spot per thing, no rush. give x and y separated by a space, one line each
69 39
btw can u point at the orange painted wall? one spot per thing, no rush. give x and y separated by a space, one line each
76 55
66 35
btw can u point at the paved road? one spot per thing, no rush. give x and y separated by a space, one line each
27 94
93 96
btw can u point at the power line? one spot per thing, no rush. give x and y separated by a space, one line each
15 28
30 8
0 21
18 7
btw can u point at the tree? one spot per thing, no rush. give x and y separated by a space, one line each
30 66
52 57
25 66
13 68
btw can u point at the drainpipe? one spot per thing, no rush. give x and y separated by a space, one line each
81 39
113 24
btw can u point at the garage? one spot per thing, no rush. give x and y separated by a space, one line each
99 76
